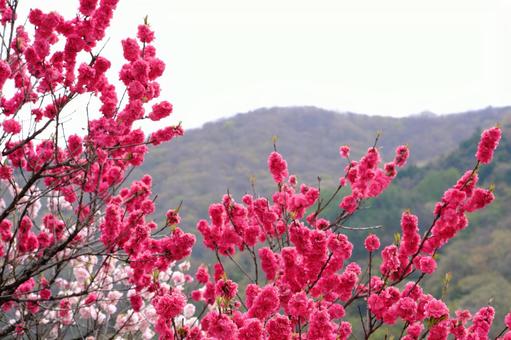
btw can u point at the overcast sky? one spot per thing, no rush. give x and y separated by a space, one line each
388 57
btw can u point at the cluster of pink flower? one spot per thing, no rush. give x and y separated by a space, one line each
90 227
415 308
366 178
489 141
308 280
118 144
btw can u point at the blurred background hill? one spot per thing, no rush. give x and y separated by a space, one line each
223 155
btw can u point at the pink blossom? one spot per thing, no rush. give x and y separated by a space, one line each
349 203
439 330
278 328
161 110
219 326
407 308
320 327
344 151
372 242
390 263
145 34
278 167
415 330
507 320
480 198
269 262
226 289
196 295
91 298
489 141
5 73
402 154
169 305
166 134
390 169
481 322
425 264
300 306
202 274
345 330
252 330
5 172
11 126
136 302
411 237
265 304
87 7
131 49
219 271
45 294
436 309
340 246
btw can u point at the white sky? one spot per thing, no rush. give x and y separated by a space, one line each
389 57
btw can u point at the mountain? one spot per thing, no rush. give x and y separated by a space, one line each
201 166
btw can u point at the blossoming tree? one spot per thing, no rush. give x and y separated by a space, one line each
308 281
78 256
81 258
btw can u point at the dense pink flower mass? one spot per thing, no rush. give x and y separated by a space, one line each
145 34
367 179
160 111
489 141
278 167
309 279
169 305
93 244
11 126
402 154
80 253
344 151
372 242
